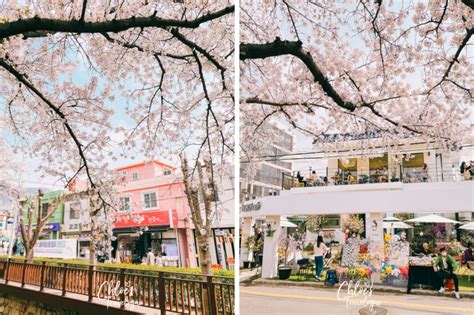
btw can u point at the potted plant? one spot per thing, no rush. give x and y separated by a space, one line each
284 270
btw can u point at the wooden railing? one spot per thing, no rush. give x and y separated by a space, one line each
175 292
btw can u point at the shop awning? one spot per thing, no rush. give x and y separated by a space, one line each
433 197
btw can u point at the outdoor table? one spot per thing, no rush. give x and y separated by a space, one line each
421 275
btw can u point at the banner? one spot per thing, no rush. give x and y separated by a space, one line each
65 248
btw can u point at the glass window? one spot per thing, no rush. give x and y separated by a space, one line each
349 164
413 160
166 171
44 209
74 210
125 203
378 163
150 200
134 175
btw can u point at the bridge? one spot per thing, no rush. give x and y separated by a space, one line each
117 290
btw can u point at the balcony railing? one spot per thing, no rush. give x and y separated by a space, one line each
335 176
174 292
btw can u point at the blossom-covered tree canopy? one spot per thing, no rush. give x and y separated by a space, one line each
402 68
76 77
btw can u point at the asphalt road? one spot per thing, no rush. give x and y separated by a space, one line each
296 300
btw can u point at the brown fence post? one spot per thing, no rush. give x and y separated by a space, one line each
43 267
211 296
23 274
161 293
64 279
90 274
6 270
122 284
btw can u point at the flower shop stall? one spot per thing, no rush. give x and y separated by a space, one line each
374 202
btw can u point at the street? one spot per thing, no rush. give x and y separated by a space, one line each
298 300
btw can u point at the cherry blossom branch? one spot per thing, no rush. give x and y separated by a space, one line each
140 48
83 12
280 48
464 42
256 100
37 25
175 32
24 79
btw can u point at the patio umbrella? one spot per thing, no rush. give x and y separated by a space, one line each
432 218
391 219
468 226
396 225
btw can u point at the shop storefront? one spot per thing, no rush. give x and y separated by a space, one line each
138 232
368 247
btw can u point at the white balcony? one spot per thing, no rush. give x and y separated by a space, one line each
444 197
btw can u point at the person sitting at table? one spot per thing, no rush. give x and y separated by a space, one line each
351 178
314 179
425 250
300 178
444 265
383 175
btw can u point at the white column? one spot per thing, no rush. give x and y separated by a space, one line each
374 233
270 248
247 230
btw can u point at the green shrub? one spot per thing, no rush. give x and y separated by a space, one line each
131 268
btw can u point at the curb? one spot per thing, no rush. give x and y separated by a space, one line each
377 288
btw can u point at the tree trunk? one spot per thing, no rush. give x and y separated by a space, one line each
29 254
204 254
93 244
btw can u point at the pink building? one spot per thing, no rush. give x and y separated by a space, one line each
155 214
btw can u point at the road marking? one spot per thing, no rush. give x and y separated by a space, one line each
334 299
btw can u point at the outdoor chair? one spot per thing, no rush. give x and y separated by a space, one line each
449 284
